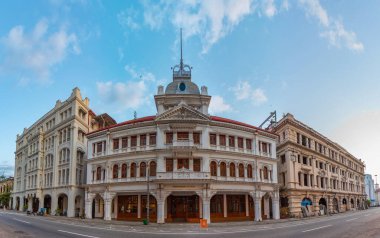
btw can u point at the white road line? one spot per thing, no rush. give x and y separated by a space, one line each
367 215
73 233
21 221
317 228
352 219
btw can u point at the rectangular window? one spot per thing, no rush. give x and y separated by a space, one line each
283 160
298 138
99 147
197 138
304 160
240 143
169 138
133 141
304 140
169 165
231 141
248 143
222 140
196 165
182 135
212 139
124 142
116 144
305 180
182 163
152 139
142 140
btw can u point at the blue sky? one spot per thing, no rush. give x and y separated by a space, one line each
318 60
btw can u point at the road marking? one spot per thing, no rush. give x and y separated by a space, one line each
367 215
73 233
317 228
352 219
21 221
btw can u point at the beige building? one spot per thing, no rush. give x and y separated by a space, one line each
316 173
49 158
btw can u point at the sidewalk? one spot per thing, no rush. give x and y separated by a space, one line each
176 227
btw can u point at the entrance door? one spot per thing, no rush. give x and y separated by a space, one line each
183 208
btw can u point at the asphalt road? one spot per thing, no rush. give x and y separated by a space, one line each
355 224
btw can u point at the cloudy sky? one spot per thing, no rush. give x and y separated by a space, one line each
318 60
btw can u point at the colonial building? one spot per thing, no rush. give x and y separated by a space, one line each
6 187
316 173
192 165
49 158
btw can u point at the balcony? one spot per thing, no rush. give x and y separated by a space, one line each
184 174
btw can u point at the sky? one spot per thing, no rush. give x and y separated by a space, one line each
316 59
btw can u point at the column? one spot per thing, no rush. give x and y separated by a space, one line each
246 206
206 209
71 204
258 208
160 211
107 208
21 205
224 205
30 204
276 208
139 206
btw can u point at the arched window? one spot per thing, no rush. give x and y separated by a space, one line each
142 169
133 170
213 168
223 169
249 171
124 171
265 172
232 170
241 170
98 173
115 171
152 168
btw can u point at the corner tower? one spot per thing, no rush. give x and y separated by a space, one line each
182 91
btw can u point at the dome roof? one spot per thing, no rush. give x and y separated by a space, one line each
182 87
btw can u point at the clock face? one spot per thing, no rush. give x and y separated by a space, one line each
182 86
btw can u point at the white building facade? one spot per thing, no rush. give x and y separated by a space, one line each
370 189
193 165
49 160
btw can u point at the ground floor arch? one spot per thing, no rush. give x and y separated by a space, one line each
35 204
323 206
47 203
98 207
266 207
17 205
78 206
335 205
62 205
352 203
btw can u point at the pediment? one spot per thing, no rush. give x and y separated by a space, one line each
182 112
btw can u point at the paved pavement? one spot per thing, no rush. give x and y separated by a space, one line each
351 224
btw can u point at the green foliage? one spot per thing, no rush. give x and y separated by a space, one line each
4 198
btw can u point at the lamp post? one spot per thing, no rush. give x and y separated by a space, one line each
148 193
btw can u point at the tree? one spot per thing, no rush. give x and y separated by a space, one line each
4 199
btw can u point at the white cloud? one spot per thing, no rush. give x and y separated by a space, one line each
337 36
38 51
259 96
217 105
334 30
132 94
127 19
210 20
360 135
269 8
244 91
129 95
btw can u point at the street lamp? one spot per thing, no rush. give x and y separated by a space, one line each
148 193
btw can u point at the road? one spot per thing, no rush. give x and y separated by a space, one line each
353 224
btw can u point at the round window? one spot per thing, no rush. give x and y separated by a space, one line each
182 86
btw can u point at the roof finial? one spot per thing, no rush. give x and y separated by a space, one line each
181 62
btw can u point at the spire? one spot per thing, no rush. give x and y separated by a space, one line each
181 71
181 62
